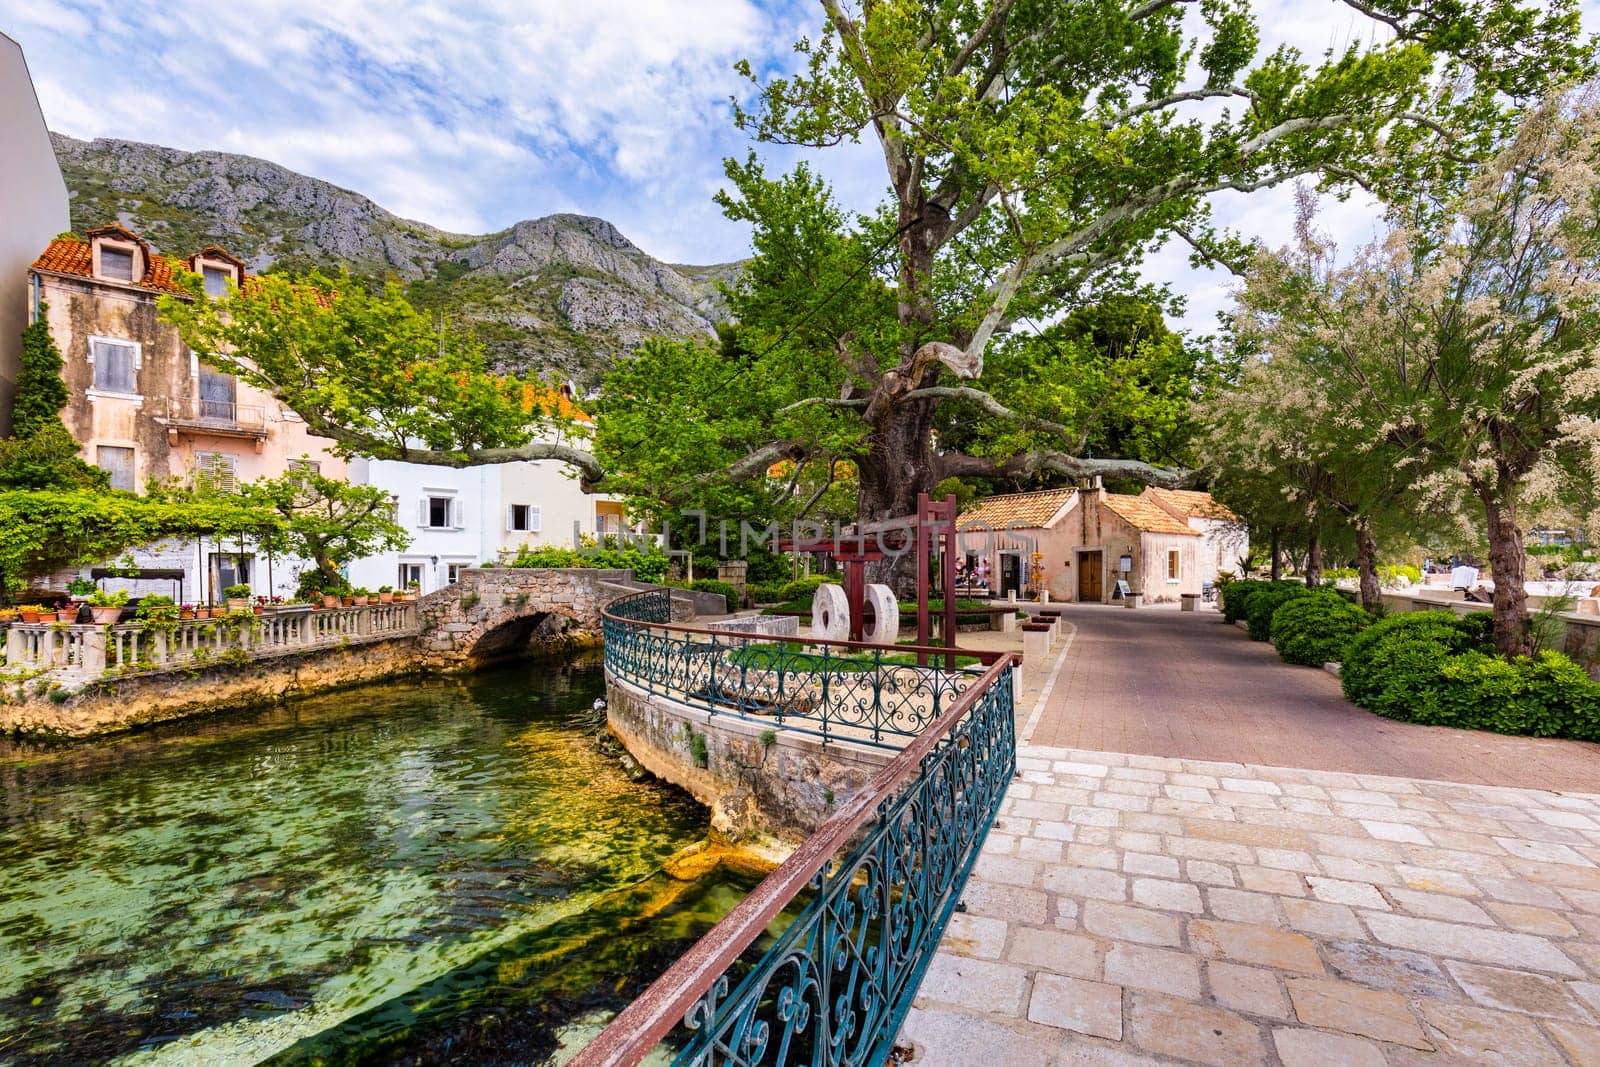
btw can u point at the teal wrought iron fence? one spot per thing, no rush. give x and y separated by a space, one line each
871 694
875 885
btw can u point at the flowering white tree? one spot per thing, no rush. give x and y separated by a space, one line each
1463 349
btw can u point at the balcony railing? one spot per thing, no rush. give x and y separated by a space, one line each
151 646
836 690
880 880
216 416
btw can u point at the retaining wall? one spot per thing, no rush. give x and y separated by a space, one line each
784 787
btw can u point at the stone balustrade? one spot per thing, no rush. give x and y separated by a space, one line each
93 650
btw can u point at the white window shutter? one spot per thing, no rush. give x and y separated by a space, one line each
511 517
533 518
455 514
422 512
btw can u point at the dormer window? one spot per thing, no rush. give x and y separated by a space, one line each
217 279
116 264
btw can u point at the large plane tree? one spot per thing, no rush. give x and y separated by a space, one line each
1033 152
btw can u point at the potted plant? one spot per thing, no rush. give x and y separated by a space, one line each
81 588
8 615
29 612
202 611
385 594
260 606
361 595
106 608
185 612
413 590
157 609
238 597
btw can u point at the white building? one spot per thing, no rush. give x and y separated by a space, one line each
462 517
33 207
1224 538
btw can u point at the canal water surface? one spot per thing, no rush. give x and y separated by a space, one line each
427 871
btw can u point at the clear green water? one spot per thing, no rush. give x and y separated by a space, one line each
428 871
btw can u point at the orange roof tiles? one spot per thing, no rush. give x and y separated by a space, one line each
1146 515
70 255
552 403
1017 509
1186 502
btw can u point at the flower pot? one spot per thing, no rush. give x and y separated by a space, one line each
47 616
348 601
105 616
329 600
259 609
185 614
239 604
202 613
360 601
29 616
385 598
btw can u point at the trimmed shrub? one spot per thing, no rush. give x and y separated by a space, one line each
1264 603
764 593
804 587
1236 598
712 585
1314 630
1545 696
1392 667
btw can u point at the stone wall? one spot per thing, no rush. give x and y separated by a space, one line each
785 786
123 703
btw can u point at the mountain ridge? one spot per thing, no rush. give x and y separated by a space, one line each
564 294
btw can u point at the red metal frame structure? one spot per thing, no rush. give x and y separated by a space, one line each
934 519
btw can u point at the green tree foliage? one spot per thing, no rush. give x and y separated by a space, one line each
373 373
41 394
47 459
1034 153
1459 358
325 520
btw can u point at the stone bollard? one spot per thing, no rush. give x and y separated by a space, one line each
1005 622
1035 645
92 652
1189 600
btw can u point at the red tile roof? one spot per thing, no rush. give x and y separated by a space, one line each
1023 510
1189 502
1145 515
72 256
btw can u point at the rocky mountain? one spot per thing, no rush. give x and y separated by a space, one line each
563 295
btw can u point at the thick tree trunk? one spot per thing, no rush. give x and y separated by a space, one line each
1512 633
1314 559
1367 563
1277 557
898 466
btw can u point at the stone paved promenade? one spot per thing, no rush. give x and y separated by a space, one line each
1133 909
1169 683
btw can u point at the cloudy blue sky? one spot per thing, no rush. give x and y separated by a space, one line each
471 116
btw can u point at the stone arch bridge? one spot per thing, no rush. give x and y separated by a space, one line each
495 613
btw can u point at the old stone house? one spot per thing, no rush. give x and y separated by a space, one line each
1078 544
1224 536
146 408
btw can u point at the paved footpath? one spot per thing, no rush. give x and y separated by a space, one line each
1418 896
1134 909
1169 683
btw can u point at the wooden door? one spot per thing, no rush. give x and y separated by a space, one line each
1090 577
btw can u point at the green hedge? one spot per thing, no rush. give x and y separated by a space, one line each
1264 603
1440 668
1314 630
1236 597
724 589
646 566
804 587
1393 664
764 592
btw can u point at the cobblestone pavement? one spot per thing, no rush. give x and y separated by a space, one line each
1133 909
1170 683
